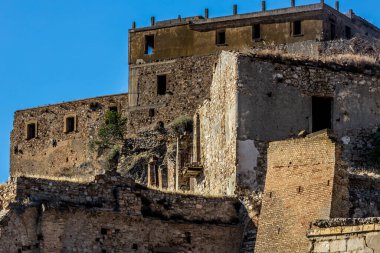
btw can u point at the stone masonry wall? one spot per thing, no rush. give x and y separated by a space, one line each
345 236
188 84
115 215
218 128
54 152
302 179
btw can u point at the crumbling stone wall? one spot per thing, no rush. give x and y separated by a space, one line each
53 152
345 235
218 128
188 83
305 181
109 213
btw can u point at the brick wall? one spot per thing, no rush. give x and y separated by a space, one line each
300 187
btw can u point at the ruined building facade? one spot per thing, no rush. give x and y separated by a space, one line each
279 158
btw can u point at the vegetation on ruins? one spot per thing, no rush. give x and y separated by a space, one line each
182 125
110 135
375 152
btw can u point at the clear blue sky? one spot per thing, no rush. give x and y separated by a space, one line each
60 50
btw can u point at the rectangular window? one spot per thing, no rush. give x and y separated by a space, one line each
322 113
256 32
161 84
348 32
297 28
31 131
221 37
113 108
70 124
151 112
332 31
149 44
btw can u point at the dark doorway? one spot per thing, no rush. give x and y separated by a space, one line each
256 32
70 124
31 131
332 31
322 113
297 28
221 38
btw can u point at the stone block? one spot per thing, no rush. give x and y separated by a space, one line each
357 243
338 246
322 247
373 242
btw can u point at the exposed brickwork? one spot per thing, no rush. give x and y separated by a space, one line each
299 188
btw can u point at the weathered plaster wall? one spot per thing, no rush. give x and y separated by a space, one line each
304 182
346 236
54 152
218 129
115 215
275 103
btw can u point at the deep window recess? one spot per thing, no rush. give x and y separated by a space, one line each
348 32
151 112
322 113
332 31
31 131
70 124
113 108
297 28
149 44
161 84
256 32
221 37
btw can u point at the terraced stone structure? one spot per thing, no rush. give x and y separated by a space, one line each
240 133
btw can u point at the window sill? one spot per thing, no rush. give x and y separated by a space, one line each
222 45
297 35
257 40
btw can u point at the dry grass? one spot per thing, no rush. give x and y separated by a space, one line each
73 179
188 193
347 59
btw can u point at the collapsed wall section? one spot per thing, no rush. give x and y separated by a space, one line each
304 182
54 140
113 214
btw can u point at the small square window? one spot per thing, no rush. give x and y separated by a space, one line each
70 124
297 28
113 108
31 130
221 37
161 84
256 32
149 44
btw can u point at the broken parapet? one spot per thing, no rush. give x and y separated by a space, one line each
345 235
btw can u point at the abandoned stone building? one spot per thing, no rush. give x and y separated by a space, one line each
278 148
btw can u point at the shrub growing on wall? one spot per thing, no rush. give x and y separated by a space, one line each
110 136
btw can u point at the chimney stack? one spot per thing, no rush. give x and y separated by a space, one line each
337 5
263 5
206 13
152 21
350 13
235 9
133 25
293 3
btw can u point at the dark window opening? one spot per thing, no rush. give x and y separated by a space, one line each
113 109
149 44
348 32
31 131
322 113
256 32
151 112
70 124
297 28
161 84
103 231
332 31
221 38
